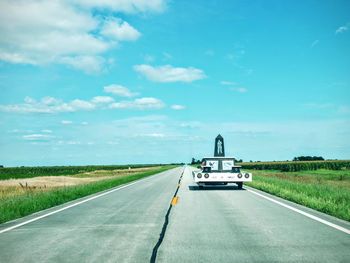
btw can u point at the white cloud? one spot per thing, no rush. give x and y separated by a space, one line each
228 83
342 29
153 135
46 131
344 109
248 71
315 43
234 86
168 73
41 32
127 6
313 105
25 108
230 56
113 142
29 100
73 142
142 119
62 32
37 137
119 30
178 107
167 56
119 90
191 125
141 104
82 105
45 100
236 55
240 90
50 105
102 99
66 122
88 64
209 53
148 58
330 107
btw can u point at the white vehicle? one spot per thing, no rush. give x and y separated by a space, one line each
220 170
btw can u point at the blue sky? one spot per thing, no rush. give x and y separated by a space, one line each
135 81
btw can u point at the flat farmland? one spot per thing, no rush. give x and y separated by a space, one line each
34 171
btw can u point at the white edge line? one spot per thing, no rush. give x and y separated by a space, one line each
70 206
347 231
62 209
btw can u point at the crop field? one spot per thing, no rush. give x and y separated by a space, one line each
27 172
293 166
324 190
25 194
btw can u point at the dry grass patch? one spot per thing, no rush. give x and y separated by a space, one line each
17 187
116 172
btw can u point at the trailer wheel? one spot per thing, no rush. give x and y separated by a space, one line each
240 185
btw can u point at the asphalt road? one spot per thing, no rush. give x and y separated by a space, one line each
122 226
224 224
217 224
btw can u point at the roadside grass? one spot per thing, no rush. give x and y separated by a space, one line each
327 191
17 206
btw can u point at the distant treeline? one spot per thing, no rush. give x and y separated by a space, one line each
308 158
194 161
298 165
26 172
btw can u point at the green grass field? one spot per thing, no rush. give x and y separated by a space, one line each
17 206
324 190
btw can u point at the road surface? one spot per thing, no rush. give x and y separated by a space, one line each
218 224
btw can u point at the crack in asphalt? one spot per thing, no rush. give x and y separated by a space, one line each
165 224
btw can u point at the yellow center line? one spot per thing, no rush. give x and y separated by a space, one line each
175 200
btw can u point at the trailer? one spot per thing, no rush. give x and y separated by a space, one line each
220 169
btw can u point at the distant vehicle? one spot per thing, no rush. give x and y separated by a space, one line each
220 169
